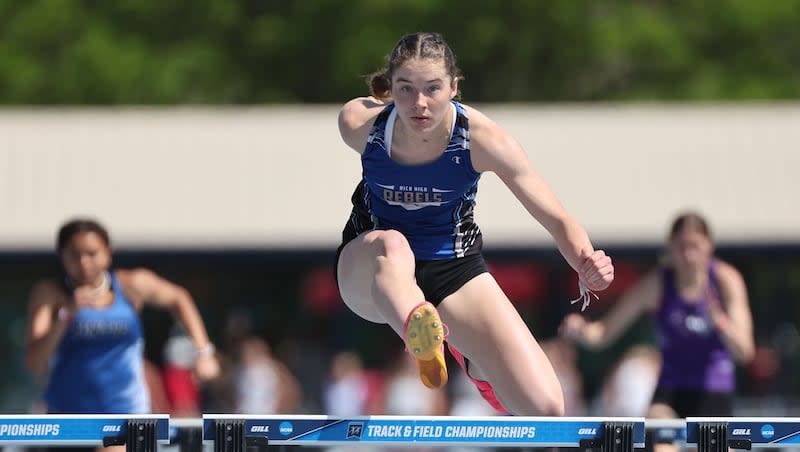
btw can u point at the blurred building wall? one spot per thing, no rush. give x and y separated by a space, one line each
281 177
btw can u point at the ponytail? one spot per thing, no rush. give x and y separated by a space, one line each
380 85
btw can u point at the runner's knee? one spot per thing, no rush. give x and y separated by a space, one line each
392 245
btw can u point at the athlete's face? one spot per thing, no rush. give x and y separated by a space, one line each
691 250
422 90
85 257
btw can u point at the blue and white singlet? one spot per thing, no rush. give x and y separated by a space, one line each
430 204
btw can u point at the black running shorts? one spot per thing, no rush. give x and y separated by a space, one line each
439 279
688 403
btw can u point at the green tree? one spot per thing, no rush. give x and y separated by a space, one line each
262 51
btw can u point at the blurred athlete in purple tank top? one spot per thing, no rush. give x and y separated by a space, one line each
702 319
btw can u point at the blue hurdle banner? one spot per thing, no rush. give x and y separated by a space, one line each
84 430
499 431
712 433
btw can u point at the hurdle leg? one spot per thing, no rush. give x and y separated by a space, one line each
229 436
617 437
141 436
713 437
190 440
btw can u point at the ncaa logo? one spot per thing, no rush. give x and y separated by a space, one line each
285 428
767 431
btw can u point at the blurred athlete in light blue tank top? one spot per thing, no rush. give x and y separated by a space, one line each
84 331
103 349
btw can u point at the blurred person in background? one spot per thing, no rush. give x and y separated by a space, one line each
349 389
628 387
264 385
219 395
84 329
345 393
702 318
156 389
352 390
411 236
405 395
564 356
180 385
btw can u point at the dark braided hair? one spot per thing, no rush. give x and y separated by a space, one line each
417 45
